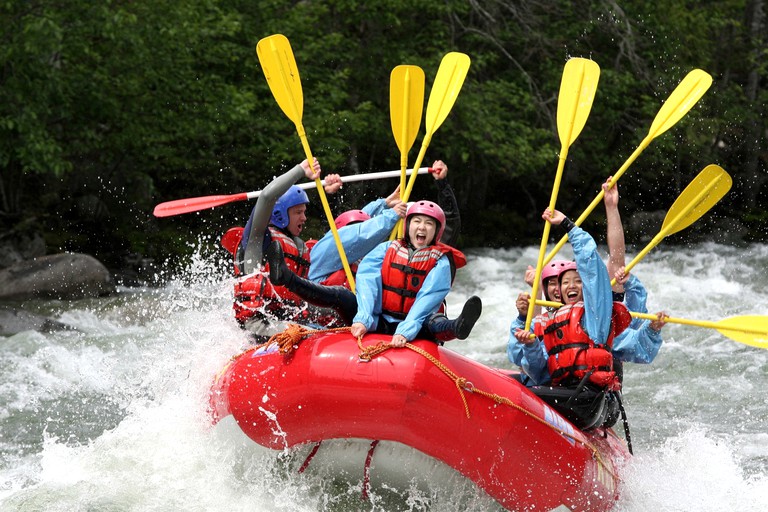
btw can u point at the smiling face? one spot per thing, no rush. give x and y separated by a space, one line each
570 287
552 289
421 230
297 216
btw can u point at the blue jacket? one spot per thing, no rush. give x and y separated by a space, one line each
598 304
637 344
428 300
357 239
527 356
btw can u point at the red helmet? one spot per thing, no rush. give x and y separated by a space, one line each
429 209
350 217
554 269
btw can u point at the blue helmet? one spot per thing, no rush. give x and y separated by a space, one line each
294 196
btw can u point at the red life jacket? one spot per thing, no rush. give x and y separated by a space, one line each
255 292
402 277
339 278
296 257
231 241
572 354
256 296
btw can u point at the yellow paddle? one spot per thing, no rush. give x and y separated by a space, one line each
279 65
701 194
577 92
750 329
406 102
448 81
682 99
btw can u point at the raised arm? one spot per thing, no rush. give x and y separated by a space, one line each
615 234
253 241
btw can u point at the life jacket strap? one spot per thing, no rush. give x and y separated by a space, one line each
555 326
559 348
400 291
408 270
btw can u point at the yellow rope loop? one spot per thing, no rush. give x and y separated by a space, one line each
460 386
368 353
493 396
289 338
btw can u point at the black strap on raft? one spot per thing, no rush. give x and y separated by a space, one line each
579 388
627 434
310 456
367 471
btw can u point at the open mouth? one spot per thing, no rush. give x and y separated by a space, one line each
421 239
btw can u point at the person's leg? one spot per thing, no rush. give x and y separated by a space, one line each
337 297
444 329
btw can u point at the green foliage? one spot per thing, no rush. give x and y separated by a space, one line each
108 108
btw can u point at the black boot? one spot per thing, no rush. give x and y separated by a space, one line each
469 315
444 329
279 273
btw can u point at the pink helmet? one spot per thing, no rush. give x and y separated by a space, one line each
350 217
554 269
429 209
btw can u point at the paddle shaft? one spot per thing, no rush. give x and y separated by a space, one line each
357 177
599 197
194 204
697 323
545 233
669 228
577 92
682 99
670 319
400 226
450 77
282 57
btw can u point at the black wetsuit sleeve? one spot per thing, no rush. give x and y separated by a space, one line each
567 225
447 201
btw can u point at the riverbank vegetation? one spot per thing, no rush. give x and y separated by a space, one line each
109 108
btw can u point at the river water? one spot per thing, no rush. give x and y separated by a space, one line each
112 417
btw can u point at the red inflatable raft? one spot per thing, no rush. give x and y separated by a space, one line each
476 419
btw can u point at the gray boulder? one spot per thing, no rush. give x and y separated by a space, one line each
14 321
59 276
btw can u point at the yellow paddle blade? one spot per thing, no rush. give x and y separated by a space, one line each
279 66
704 191
577 92
682 99
450 77
750 330
406 103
